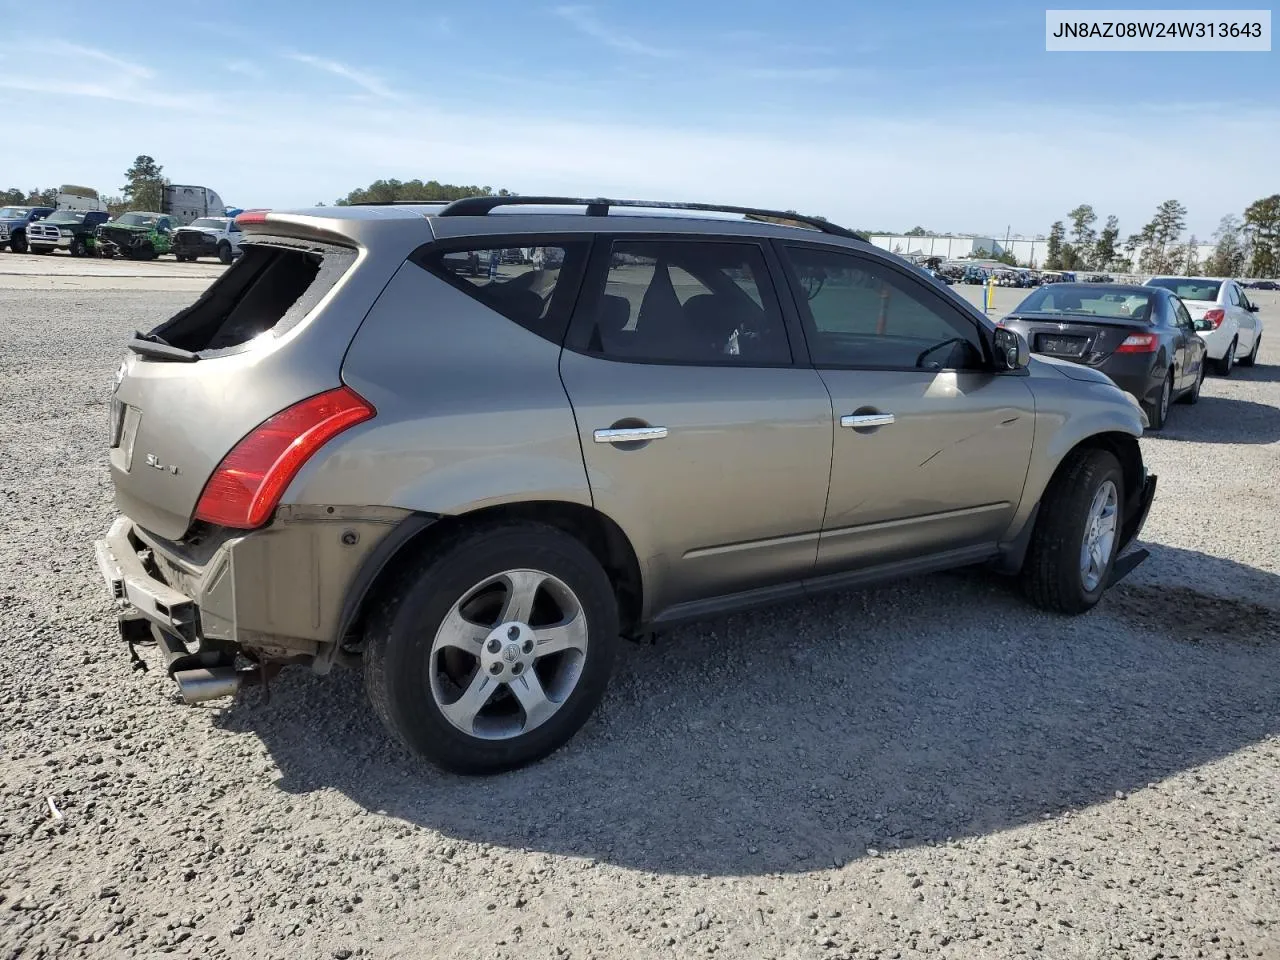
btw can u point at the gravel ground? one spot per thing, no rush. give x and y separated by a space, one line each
927 769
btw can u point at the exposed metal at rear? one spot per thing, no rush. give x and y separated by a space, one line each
172 422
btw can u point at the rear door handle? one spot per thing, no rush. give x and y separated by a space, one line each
860 420
629 434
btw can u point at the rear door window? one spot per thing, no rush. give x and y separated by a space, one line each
675 301
532 285
274 284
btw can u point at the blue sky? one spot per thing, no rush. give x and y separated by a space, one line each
878 115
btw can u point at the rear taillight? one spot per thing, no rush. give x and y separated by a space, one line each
1215 317
250 480
1139 343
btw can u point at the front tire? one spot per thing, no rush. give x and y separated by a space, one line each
1077 534
78 248
1228 361
18 243
224 253
1252 358
453 666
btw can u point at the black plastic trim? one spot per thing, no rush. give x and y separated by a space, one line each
864 576
373 565
600 206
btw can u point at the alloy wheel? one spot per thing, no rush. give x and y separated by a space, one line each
1099 535
508 654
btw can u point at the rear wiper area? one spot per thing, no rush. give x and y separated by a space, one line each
152 346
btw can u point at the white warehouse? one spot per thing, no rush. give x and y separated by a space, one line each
1028 252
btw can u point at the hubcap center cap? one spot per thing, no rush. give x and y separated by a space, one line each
507 651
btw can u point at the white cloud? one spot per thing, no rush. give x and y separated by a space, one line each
803 74
113 78
859 168
584 20
59 48
246 69
366 81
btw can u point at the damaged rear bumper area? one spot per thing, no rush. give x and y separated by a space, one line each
1135 520
231 608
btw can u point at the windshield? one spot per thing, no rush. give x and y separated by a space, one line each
65 216
1078 300
137 219
14 213
210 223
1188 288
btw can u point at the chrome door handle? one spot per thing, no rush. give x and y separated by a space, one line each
629 434
857 420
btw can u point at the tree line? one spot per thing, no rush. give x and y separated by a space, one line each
143 190
415 191
1247 245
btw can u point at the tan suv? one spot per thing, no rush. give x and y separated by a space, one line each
474 444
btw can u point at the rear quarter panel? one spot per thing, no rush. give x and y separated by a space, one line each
471 411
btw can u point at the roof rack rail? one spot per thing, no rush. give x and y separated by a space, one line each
599 207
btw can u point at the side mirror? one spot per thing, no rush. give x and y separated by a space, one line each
1011 349
1253 308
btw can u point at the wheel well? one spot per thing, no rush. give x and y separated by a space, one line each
1124 448
593 529
1120 445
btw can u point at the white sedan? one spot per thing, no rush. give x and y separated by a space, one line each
1225 319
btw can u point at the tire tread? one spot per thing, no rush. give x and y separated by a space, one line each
1062 513
420 573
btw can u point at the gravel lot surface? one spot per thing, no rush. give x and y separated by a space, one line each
927 769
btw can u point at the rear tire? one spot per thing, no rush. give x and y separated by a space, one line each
1058 573
77 247
1158 413
1193 395
459 589
1223 366
1252 358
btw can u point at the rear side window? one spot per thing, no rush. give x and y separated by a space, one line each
275 283
687 302
533 286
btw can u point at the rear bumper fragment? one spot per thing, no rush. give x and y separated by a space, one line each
1137 520
272 596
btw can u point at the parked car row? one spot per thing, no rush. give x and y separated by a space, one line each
192 223
1156 341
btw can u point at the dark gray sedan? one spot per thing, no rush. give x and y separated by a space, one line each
1143 338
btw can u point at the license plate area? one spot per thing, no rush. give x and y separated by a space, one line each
124 430
1056 345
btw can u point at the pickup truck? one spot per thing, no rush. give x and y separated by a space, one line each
72 230
136 235
208 237
13 225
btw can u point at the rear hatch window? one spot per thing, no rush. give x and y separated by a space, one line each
274 284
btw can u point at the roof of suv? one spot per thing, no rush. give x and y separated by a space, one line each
497 216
